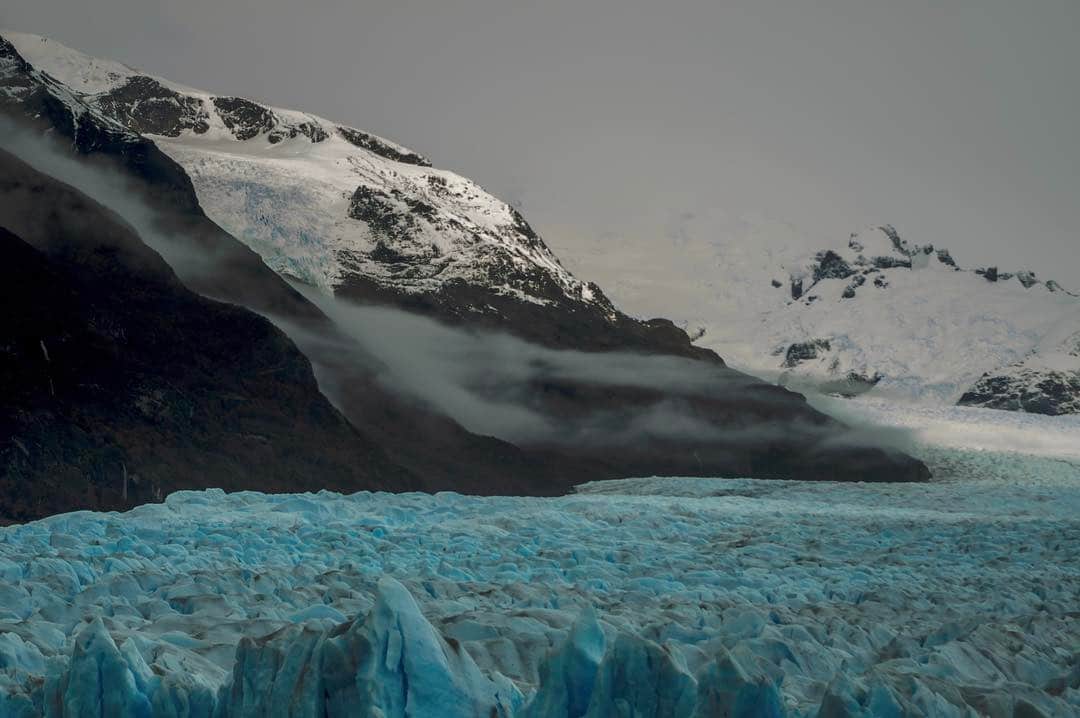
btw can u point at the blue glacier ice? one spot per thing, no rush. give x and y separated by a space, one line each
392 664
568 673
682 598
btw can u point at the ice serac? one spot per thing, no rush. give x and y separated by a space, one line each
392 663
727 687
845 698
641 678
588 676
711 597
568 674
99 681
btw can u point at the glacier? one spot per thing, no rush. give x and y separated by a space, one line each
640 597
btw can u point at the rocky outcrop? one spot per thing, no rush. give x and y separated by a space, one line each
1047 381
873 312
805 351
381 147
144 105
1035 392
829 265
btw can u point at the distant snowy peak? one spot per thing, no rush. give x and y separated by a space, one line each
870 311
876 249
885 311
330 205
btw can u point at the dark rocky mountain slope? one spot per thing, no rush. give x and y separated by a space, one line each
113 373
751 429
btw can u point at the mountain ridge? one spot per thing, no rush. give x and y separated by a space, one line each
733 424
871 312
371 221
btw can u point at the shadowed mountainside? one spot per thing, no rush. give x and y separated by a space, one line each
381 438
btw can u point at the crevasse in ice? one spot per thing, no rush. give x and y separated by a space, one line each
647 597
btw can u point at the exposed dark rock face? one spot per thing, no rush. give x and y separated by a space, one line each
464 304
244 118
990 273
374 144
381 214
501 289
831 265
146 106
805 351
891 263
851 385
856 282
311 130
847 385
945 257
1053 286
1053 393
901 245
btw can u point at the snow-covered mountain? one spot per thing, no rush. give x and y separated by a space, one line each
100 135
872 310
365 218
333 206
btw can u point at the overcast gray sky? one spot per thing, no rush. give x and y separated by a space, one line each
954 120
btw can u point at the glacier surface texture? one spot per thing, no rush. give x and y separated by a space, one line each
643 597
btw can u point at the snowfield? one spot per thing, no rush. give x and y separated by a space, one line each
927 330
643 597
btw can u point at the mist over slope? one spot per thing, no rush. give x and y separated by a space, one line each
364 218
121 385
343 210
590 407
